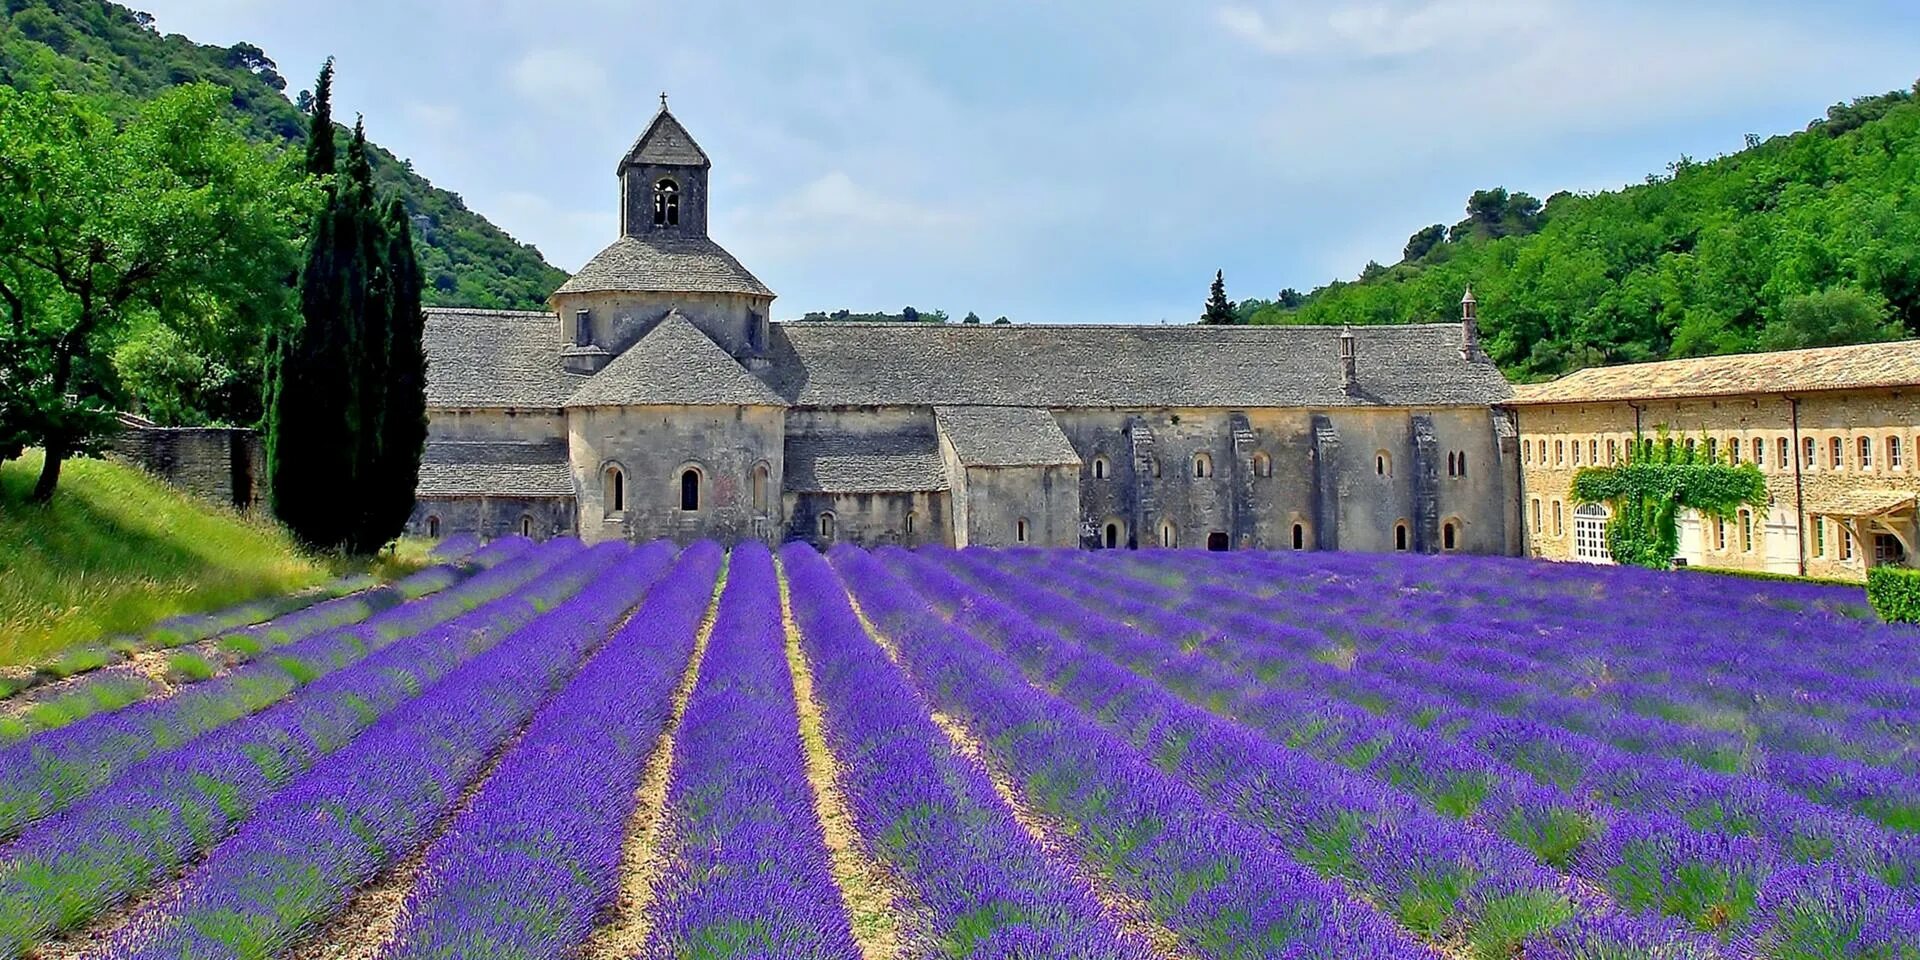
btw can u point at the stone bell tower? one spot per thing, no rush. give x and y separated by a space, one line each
663 182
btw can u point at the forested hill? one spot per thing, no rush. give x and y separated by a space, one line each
1801 240
99 48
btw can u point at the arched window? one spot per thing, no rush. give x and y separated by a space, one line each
1559 452
1383 464
1202 466
1299 536
1836 453
526 525
1449 534
1746 531
1168 538
1113 536
1453 467
826 526
1262 465
1866 453
666 203
1807 448
1576 453
1526 450
1099 468
912 522
761 478
1463 462
1713 449
1020 530
614 485
1590 534
433 527
1733 450
1593 455
1759 452
1613 452
1894 460
1400 536
690 490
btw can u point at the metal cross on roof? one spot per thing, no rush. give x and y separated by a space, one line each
663 99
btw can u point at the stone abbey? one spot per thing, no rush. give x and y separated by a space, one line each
659 399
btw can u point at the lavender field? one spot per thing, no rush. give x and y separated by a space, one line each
559 751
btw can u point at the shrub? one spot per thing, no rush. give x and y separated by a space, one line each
1895 593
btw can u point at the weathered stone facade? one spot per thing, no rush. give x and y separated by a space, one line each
659 400
1838 455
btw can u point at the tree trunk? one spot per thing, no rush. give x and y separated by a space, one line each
50 472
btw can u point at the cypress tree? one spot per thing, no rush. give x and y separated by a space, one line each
311 440
404 420
368 309
1219 310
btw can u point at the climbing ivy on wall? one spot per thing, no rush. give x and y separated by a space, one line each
1647 492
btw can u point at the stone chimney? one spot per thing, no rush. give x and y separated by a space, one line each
584 356
1349 364
1469 327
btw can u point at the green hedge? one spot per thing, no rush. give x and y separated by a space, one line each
1895 593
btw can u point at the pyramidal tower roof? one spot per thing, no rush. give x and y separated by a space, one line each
665 142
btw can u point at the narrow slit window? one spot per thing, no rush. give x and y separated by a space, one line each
690 490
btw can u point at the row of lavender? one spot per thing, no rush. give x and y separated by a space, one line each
108 808
1764 869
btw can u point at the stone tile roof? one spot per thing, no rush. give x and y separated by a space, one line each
551 450
1860 502
495 480
1865 366
674 364
860 463
666 142
1005 436
495 358
664 263
854 364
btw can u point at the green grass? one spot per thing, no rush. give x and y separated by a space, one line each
118 550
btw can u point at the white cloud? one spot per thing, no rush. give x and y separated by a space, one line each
438 118
1384 28
559 78
834 209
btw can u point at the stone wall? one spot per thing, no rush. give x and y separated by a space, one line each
219 464
1795 533
653 446
1345 478
617 320
540 518
871 519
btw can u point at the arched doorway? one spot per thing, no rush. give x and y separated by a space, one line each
1590 533
1113 536
1218 542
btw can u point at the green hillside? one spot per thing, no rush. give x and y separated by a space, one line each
1802 240
118 550
94 47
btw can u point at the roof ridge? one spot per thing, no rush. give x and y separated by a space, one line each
645 141
1249 328
724 380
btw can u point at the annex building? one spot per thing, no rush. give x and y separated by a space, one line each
659 399
1834 430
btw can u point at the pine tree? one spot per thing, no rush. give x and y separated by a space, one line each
1219 311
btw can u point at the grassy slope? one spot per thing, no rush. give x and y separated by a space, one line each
118 550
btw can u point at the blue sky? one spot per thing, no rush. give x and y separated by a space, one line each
1063 161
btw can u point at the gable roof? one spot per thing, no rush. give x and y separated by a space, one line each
863 463
1859 367
664 263
1005 436
870 364
664 142
495 358
674 365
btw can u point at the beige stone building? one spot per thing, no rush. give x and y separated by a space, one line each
1834 429
659 399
